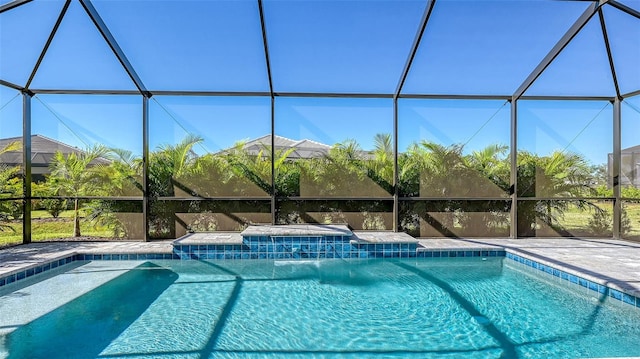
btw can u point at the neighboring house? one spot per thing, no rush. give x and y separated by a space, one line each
629 166
302 148
42 151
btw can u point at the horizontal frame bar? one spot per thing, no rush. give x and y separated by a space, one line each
455 97
211 93
569 98
566 199
312 95
316 199
89 198
84 92
332 95
440 199
226 199
319 199
8 199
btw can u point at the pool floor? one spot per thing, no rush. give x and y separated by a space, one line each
471 308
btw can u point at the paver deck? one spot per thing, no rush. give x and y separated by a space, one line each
30 255
611 262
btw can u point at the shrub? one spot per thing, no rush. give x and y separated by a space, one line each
600 223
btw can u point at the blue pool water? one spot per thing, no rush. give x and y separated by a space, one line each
405 308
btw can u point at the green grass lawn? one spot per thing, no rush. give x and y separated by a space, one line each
576 221
45 227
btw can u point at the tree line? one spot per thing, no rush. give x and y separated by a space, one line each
472 187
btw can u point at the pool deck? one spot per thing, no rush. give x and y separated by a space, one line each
613 263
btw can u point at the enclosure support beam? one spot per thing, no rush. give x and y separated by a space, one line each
265 44
26 167
396 174
617 204
513 189
145 167
403 77
560 45
273 161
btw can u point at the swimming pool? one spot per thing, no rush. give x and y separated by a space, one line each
421 308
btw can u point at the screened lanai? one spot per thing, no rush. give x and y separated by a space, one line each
439 118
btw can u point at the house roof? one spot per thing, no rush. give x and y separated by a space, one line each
633 149
302 148
42 151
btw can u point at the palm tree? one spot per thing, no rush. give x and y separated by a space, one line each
125 172
169 162
380 167
429 169
492 167
76 175
560 174
9 181
10 186
167 165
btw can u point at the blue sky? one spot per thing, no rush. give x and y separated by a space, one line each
469 47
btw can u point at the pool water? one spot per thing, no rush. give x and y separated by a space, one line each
405 308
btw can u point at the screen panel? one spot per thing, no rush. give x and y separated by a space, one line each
340 46
455 218
487 47
210 146
453 148
86 145
340 148
190 45
562 218
564 148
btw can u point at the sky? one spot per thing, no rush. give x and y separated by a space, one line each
353 46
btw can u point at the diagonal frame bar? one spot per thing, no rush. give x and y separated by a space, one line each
631 94
65 7
12 5
11 85
605 35
559 46
113 44
625 8
416 44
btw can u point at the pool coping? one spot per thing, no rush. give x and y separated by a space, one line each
598 283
